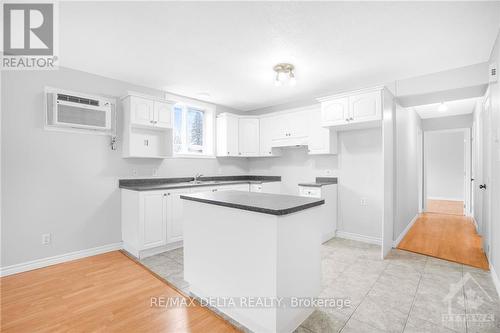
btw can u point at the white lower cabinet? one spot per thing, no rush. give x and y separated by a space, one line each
328 209
173 206
154 219
266 187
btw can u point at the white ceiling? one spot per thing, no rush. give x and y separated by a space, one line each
228 49
463 106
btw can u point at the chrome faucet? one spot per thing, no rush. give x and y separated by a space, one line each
197 177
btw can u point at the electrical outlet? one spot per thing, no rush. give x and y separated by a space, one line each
328 172
364 202
46 239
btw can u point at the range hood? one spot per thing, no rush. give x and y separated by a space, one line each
290 142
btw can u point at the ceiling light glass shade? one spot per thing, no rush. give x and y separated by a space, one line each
284 74
442 107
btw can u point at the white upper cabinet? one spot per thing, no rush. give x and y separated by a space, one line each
150 113
365 107
162 115
141 111
147 127
335 111
227 135
268 129
321 140
361 109
248 136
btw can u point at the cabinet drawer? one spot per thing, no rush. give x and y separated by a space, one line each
313 192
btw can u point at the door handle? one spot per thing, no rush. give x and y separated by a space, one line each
482 186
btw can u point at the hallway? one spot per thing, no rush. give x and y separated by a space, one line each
446 236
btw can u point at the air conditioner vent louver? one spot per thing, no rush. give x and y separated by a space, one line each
73 111
79 100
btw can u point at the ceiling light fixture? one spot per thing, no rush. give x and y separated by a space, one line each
442 107
284 74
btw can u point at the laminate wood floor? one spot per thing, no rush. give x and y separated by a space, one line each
103 293
446 236
445 207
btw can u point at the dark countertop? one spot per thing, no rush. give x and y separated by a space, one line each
274 204
152 184
321 181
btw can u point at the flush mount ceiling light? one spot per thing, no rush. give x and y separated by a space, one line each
284 74
442 107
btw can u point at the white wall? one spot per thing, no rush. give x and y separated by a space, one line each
295 166
358 168
451 122
65 183
444 164
408 125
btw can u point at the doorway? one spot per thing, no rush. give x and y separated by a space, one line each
447 161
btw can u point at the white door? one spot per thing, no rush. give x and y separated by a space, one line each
154 226
485 182
142 111
248 132
365 107
173 207
163 114
335 112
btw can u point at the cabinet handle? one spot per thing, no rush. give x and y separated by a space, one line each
270 153
228 153
214 190
239 153
351 118
346 119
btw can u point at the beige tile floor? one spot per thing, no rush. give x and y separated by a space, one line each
406 292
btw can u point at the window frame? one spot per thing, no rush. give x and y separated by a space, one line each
208 131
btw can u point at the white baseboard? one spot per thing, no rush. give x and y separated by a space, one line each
358 237
44 262
495 278
401 236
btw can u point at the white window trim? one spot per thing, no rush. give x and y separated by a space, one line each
209 111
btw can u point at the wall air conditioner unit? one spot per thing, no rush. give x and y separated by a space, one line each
81 112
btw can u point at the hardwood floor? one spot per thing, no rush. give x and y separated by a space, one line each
446 236
104 293
445 207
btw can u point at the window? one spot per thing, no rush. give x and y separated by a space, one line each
192 133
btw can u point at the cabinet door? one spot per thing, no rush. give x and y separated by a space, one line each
319 137
173 207
142 111
227 136
297 123
154 224
163 114
265 136
248 136
365 107
335 112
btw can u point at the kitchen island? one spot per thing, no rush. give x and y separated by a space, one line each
253 256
